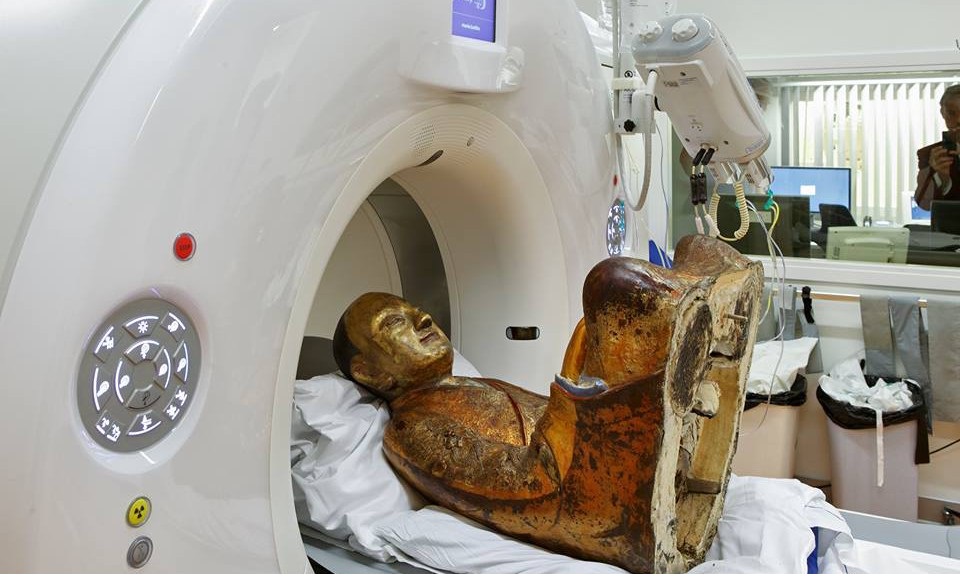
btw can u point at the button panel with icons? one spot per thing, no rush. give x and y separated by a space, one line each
138 375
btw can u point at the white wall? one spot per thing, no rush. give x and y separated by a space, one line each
774 36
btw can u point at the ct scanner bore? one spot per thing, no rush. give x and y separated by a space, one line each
391 237
261 128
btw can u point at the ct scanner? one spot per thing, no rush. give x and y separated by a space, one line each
227 176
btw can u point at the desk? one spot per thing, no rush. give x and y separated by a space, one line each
939 241
933 248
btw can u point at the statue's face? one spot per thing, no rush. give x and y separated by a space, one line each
399 344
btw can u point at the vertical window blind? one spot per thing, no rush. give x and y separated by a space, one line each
872 127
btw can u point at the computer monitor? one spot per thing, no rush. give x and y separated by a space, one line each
918 214
792 232
821 184
945 216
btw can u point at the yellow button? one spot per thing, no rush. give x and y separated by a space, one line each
139 512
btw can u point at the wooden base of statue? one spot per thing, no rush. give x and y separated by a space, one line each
633 475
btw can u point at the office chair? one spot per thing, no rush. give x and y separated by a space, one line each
945 216
831 215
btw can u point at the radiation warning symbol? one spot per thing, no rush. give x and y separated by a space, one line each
138 512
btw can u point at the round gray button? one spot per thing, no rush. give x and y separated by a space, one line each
139 552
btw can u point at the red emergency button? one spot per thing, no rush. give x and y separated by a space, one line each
184 246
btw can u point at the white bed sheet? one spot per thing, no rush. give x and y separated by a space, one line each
872 558
345 489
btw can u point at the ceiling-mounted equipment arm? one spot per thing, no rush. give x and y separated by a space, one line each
700 85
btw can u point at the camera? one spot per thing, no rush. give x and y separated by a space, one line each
948 141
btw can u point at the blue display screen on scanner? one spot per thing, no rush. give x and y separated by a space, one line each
475 19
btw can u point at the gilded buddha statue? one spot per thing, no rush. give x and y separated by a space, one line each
626 461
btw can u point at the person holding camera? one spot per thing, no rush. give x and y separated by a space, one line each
939 176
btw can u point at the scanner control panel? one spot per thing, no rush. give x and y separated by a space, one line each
138 375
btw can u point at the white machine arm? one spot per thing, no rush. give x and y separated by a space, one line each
685 61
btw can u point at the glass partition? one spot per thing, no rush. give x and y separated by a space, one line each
844 153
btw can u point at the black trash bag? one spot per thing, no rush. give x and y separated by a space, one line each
795 396
858 418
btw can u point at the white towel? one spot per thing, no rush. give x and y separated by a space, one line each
767 356
943 318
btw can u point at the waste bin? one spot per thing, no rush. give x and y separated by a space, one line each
768 433
873 472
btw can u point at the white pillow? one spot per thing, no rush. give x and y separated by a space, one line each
463 367
342 481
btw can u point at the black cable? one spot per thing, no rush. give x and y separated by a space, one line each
708 156
702 188
932 452
699 157
807 304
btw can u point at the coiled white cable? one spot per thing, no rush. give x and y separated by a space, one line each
741 197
